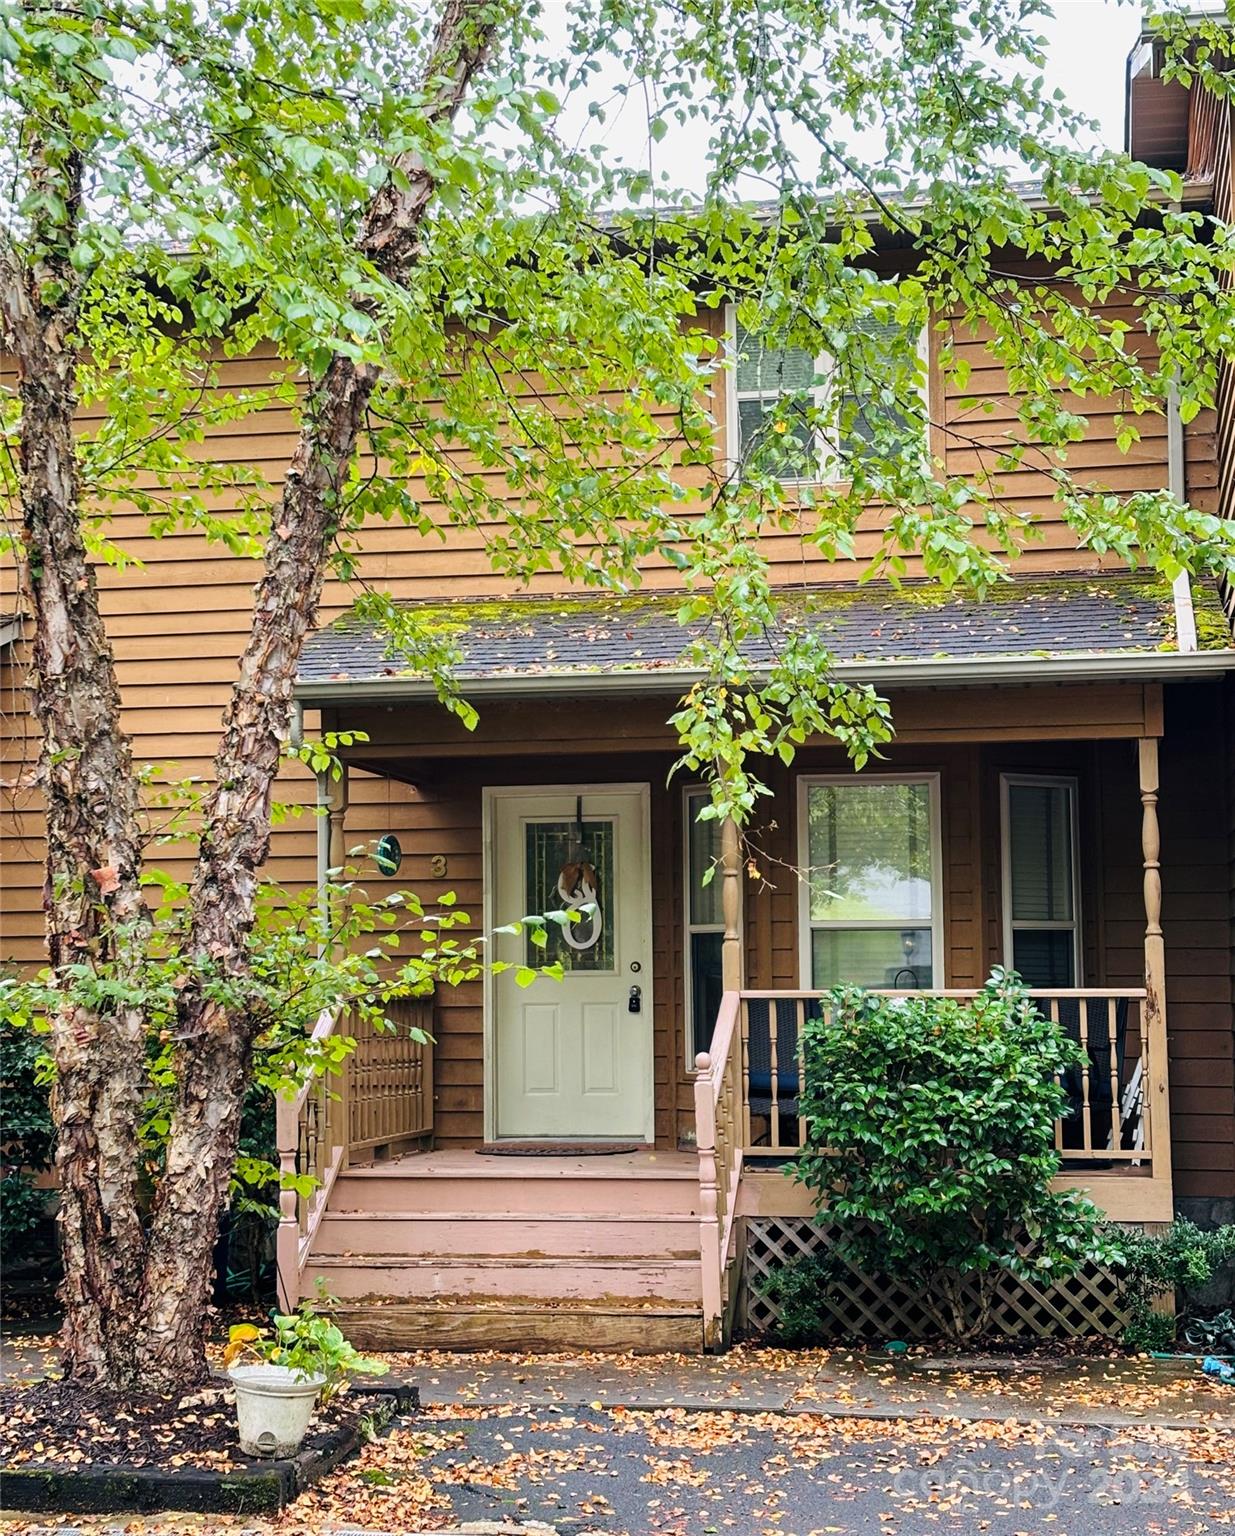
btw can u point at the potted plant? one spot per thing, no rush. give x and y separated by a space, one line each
301 1356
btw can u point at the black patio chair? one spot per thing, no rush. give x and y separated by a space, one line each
1106 1116
788 1089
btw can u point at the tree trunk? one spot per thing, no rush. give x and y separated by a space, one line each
954 1315
215 1047
93 907
136 1298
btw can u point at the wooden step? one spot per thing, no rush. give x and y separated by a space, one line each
496 1234
402 1186
395 1277
524 1328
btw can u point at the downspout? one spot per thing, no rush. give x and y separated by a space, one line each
1176 482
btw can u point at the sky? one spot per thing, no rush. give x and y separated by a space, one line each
1088 44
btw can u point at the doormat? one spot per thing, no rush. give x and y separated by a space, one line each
558 1148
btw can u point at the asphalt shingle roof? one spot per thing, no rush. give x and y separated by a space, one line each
598 634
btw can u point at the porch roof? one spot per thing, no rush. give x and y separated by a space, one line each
872 631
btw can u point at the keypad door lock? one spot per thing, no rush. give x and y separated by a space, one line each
634 1003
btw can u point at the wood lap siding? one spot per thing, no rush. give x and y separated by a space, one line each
1197 929
1210 159
1227 1212
1201 1019
21 822
177 626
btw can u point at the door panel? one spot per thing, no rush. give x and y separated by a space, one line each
569 1057
601 1048
539 1051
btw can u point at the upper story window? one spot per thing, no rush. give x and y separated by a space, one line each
1041 881
807 423
871 900
763 377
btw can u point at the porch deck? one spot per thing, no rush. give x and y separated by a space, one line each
470 1162
636 1250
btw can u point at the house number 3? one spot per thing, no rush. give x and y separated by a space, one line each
437 865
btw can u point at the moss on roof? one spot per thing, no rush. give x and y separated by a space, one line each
592 633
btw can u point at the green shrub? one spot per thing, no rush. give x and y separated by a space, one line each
931 1144
1181 1259
1150 1331
797 1291
25 1134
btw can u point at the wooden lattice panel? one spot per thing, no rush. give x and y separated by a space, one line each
863 1307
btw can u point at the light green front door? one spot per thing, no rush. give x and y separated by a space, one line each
573 1058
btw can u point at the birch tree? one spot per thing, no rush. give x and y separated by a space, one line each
395 193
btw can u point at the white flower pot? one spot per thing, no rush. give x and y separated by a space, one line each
273 1406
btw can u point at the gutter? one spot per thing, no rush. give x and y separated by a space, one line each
934 672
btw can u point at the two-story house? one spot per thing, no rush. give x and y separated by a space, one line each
599 1160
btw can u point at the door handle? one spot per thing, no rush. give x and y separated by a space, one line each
634 1003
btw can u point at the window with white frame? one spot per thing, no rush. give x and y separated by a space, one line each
871 897
1041 881
776 389
705 926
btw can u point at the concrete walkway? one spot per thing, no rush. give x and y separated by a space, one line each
762 1442
1115 1392
844 1384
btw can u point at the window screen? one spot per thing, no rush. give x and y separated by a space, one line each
1040 897
705 926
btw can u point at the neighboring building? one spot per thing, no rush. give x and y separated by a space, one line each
1054 747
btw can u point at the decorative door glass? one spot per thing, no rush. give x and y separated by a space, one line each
553 853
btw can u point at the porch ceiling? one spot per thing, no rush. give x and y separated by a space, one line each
529 641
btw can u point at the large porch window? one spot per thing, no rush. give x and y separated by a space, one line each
1040 879
871 900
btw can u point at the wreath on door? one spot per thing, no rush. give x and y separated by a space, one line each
578 886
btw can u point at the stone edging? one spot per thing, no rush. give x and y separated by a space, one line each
260 1487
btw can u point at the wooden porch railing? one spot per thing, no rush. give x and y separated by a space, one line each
747 1102
381 1102
1109 1121
719 1137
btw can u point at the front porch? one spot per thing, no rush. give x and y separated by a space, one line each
651 1250
658 1244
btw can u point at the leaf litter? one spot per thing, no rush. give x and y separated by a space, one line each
698 1471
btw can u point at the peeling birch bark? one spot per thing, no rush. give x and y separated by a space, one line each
93 905
215 1050
136 1292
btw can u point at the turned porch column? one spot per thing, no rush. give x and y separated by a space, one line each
1153 1024
336 812
287 1234
731 905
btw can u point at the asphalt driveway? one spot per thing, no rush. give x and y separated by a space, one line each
676 1472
